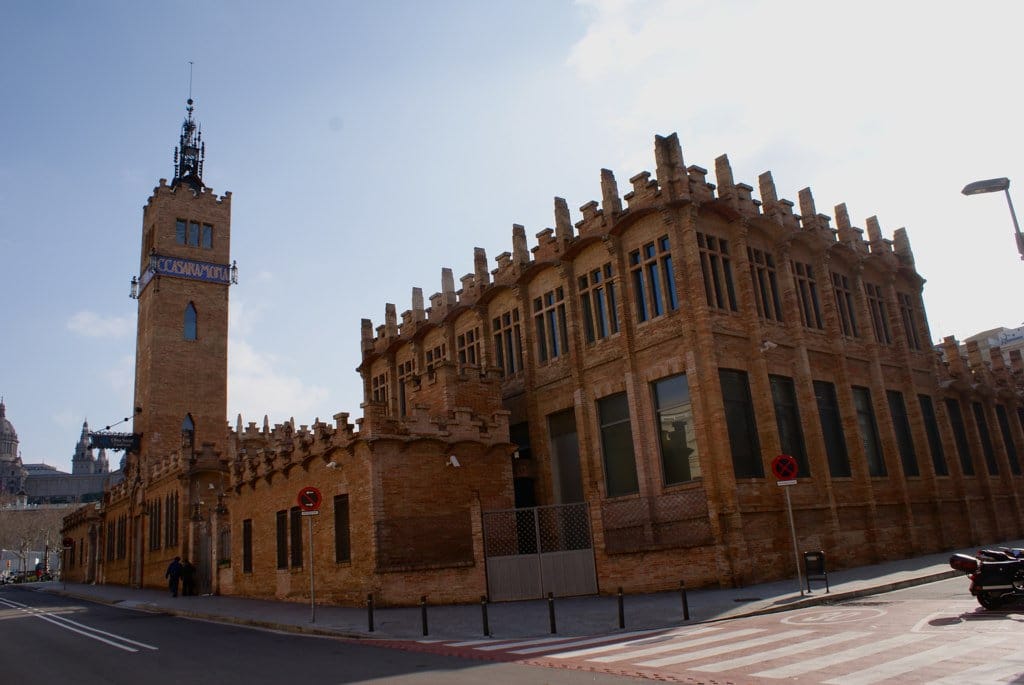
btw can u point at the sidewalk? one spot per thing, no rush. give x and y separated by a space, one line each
574 616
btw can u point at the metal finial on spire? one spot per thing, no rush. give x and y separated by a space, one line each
191 151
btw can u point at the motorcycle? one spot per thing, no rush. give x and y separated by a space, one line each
997 575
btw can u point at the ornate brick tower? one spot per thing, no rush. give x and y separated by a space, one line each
182 343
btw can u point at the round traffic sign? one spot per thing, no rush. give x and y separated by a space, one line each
309 499
784 467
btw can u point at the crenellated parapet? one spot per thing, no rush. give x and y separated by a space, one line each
675 183
204 196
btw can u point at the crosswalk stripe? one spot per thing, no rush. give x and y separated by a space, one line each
674 646
722 649
575 654
788 650
580 643
997 671
521 643
808 665
897 667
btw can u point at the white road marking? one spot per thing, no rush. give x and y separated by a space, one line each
808 665
723 649
999 671
580 643
617 645
674 646
897 667
788 650
53 618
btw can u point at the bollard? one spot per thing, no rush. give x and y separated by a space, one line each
423 612
483 610
369 611
622 614
686 604
551 612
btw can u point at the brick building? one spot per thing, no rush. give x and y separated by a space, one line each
600 410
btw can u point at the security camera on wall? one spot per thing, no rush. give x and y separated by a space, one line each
454 461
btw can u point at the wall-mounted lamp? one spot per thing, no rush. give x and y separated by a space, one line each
234 272
331 465
134 294
454 461
768 345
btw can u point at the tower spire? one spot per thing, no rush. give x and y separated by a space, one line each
191 150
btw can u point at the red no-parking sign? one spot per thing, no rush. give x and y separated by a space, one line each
309 499
784 467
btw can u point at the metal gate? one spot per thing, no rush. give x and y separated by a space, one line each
536 550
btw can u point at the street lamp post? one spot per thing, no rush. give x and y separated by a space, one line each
993 185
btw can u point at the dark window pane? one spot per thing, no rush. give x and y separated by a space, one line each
739 417
787 418
342 537
832 429
931 427
869 431
282 539
247 546
676 436
904 438
617 443
963 446
986 439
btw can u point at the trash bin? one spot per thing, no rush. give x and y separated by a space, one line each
814 568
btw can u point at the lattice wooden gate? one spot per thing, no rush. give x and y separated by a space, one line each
533 551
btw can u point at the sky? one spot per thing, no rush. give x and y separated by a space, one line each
367 145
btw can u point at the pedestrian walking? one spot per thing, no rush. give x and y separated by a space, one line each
188 578
173 574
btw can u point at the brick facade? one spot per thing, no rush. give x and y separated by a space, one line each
650 360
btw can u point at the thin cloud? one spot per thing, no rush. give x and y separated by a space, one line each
257 386
92 325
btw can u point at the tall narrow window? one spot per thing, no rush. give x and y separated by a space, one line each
342 537
435 356
1011 449
467 347
676 435
807 293
904 438
739 417
193 234
909 321
597 299
844 305
869 431
549 316
282 539
766 284
296 536
931 428
180 231
188 432
508 342
716 268
654 286
879 313
404 376
247 546
986 438
207 236
191 326
832 429
617 445
787 418
567 482
379 388
963 446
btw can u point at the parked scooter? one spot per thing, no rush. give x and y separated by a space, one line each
997 575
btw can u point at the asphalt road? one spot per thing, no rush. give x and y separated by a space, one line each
48 639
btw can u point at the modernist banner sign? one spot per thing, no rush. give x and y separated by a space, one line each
185 268
114 441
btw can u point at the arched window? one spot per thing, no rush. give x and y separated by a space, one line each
190 322
188 431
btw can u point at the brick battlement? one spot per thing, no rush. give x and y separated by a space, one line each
207 195
674 184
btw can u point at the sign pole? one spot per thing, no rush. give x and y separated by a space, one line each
312 585
796 549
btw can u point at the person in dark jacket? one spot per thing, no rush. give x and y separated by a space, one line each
188 578
173 574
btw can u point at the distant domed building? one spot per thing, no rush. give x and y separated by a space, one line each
12 472
41 483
